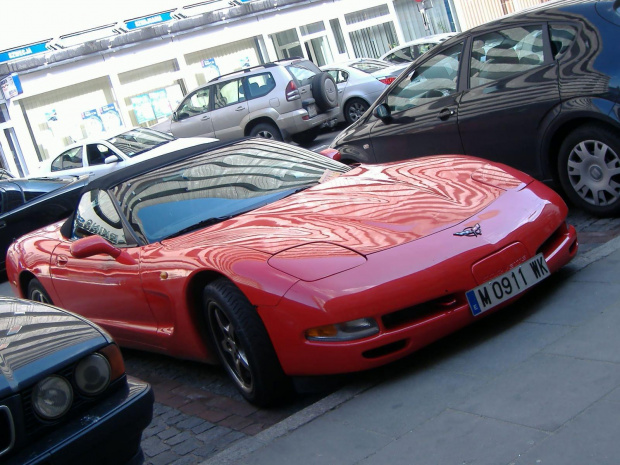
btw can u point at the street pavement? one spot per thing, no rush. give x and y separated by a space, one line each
536 383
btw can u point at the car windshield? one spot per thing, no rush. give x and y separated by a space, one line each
139 140
218 185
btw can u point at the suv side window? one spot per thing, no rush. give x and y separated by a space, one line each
96 214
70 159
195 103
501 54
228 93
437 77
260 85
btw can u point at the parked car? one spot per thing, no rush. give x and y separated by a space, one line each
64 394
414 49
536 90
97 157
278 260
359 83
287 99
29 204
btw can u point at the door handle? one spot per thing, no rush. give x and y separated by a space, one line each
241 108
205 118
446 113
61 260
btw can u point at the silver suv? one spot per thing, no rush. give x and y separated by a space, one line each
287 99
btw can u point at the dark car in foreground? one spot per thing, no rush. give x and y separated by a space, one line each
539 90
28 204
64 394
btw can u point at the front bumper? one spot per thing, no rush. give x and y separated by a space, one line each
109 432
415 292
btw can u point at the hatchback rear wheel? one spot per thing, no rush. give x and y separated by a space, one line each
354 109
243 345
589 169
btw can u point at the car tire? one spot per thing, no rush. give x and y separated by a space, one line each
324 91
589 169
266 131
37 292
354 109
243 345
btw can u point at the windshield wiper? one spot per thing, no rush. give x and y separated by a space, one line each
200 224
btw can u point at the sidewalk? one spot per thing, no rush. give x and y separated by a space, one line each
536 383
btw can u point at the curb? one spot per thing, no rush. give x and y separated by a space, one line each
241 449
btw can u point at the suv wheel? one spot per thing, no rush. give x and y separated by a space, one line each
266 131
324 91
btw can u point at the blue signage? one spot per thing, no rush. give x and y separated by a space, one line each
11 86
149 20
22 52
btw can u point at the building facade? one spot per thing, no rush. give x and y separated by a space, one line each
97 82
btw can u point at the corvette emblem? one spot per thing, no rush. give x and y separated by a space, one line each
472 231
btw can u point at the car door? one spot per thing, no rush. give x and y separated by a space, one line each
104 289
513 88
423 111
230 109
193 116
96 153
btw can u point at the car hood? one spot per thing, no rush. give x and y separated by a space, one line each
370 208
37 339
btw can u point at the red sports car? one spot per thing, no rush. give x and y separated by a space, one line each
283 262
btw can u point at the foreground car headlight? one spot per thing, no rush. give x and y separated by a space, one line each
52 397
349 331
92 374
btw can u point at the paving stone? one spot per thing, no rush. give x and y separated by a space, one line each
187 446
167 434
179 438
189 423
153 446
162 459
210 436
201 428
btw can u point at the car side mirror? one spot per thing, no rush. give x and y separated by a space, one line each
111 159
174 116
382 111
97 245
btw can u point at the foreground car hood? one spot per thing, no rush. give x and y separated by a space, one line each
370 208
36 339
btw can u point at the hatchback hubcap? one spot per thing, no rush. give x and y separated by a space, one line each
594 172
38 296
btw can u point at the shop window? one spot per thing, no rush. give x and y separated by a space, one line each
312 28
365 15
287 44
372 42
337 30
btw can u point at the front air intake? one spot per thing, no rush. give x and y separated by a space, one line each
7 430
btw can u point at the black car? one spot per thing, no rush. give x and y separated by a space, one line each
29 204
64 394
539 90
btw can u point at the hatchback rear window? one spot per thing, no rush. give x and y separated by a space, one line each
303 71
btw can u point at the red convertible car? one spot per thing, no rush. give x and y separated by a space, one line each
282 262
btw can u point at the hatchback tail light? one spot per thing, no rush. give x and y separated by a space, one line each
387 80
291 91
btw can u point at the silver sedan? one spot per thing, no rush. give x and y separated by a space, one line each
360 82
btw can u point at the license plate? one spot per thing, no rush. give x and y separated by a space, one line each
311 110
513 282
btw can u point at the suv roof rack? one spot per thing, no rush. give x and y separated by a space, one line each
245 70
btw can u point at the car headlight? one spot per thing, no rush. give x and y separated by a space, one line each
92 375
348 331
52 397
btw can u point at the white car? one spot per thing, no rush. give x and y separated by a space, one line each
410 51
97 157
360 82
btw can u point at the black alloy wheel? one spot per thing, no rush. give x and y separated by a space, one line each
37 292
589 169
243 345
